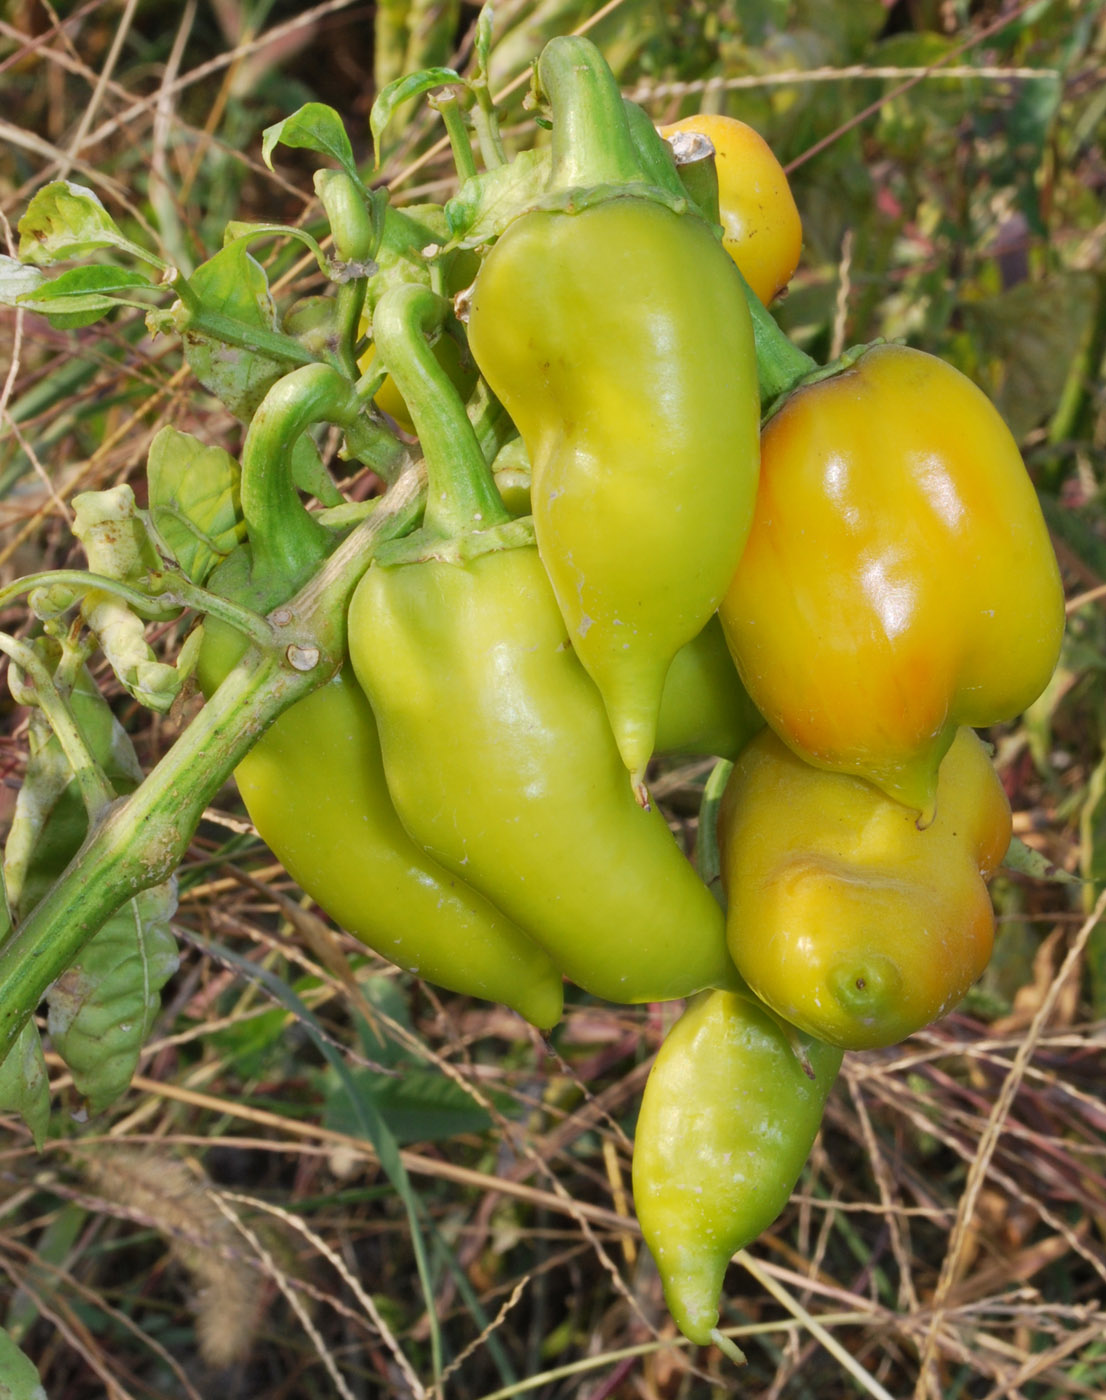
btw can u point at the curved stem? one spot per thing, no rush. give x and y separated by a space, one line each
461 491
592 144
348 214
286 541
152 608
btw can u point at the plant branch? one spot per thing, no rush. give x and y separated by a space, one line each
141 839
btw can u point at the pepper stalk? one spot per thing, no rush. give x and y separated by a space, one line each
140 840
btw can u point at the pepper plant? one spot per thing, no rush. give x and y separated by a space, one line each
440 703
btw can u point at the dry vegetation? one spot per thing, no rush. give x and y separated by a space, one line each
228 1228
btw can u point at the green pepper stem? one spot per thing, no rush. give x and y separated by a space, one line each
697 171
461 492
653 151
780 364
592 142
286 541
449 108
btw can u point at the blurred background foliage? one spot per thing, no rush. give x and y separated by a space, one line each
225 1229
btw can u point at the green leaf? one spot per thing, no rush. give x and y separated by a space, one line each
315 127
65 220
418 1105
233 284
101 1009
487 203
25 1085
83 295
195 504
400 91
18 1378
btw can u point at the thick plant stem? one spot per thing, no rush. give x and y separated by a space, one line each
143 838
592 143
461 491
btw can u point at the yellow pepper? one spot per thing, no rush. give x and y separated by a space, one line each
898 580
846 917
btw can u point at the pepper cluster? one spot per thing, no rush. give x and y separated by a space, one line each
830 600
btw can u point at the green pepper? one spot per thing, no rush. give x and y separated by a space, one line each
728 1117
497 750
705 710
613 326
314 784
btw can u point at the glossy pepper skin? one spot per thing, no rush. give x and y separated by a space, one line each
898 580
502 767
314 788
313 783
705 709
844 916
727 1120
611 335
761 227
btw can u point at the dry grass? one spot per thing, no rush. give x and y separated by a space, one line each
222 1230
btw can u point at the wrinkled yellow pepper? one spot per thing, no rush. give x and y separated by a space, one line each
845 916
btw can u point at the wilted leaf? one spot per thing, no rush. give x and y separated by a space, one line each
1092 859
194 500
18 1378
65 220
418 1105
25 1089
17 279
487 203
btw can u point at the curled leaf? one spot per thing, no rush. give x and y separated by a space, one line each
117 546
314 127
66 220
194 500
403 90
18 1378
25 1089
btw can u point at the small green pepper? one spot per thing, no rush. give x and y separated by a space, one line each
728 1117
